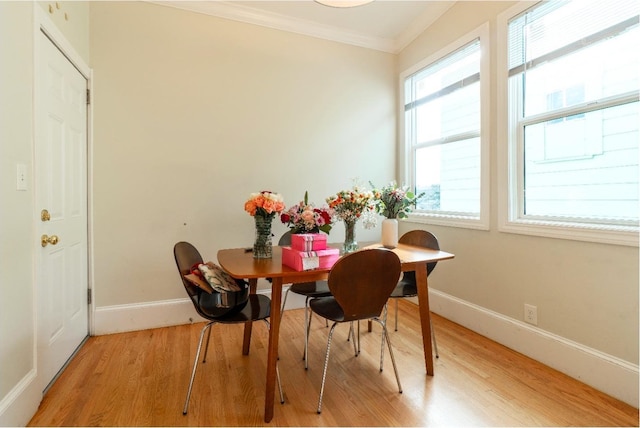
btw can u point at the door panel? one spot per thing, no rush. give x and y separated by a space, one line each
60 188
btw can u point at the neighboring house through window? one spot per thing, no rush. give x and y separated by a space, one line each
445 109
572 143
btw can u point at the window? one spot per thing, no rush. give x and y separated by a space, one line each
444 98
573 137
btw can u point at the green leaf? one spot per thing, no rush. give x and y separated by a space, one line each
326 228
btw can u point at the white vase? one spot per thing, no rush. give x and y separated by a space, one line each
390 233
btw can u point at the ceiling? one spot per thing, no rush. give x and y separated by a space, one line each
385 25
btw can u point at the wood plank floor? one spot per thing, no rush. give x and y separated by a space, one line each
140 379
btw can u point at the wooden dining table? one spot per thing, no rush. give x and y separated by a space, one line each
240 263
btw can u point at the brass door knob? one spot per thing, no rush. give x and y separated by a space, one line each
44 215
53 240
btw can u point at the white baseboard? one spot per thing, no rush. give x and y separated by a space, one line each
143 316
21 403
603 372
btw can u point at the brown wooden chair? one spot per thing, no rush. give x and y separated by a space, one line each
407 286
212 307
308 289
361 284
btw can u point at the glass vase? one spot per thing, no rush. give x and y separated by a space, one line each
350 245
262 247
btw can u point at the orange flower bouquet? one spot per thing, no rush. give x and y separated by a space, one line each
264 203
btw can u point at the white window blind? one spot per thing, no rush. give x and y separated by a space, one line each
442 131
573 105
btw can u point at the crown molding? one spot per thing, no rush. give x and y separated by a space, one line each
235 12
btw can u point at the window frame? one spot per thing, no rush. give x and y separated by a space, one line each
407 172
511 165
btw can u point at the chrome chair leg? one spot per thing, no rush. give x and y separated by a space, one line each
195 364
326 364
384 320
307 328
308 314
396 315
279 385
352 334
307 331
277 370
206 347
433 338
284 302
307 323
356 344
393 359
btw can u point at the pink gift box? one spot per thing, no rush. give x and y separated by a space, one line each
309 241
307 260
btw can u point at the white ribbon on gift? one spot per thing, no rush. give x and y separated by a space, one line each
310 260
308 242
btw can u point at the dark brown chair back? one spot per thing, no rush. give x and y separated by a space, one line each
362 282
186 256
420 238
285 239
209 305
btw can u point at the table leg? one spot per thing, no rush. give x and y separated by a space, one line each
272 358
253 285
425 319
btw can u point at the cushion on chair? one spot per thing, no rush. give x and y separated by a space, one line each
223 295
217 278
210 277
199 282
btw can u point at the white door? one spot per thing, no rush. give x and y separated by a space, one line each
60 174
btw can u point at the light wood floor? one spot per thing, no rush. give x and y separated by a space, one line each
140 379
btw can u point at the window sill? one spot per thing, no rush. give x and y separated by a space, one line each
465 222
615 235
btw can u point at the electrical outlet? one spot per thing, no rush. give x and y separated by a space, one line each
21 176
531 314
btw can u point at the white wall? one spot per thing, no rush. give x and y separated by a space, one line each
16 290
192 113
